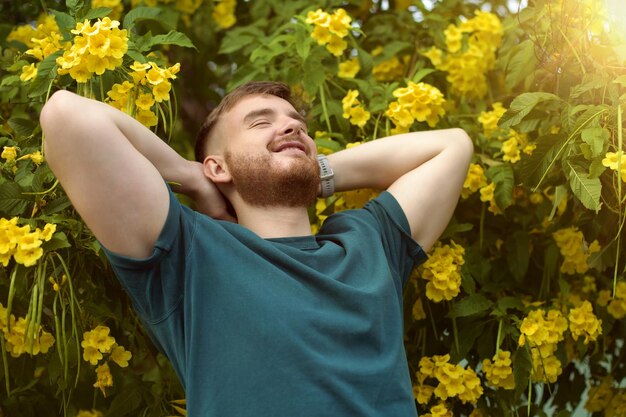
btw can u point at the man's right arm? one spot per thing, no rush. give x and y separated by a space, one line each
113 170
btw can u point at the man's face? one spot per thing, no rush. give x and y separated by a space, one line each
271 158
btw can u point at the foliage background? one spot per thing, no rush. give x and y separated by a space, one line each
531 263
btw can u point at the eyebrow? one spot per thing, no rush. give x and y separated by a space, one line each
271 112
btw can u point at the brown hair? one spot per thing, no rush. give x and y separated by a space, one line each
228 102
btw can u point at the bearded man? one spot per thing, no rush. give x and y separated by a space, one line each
258 316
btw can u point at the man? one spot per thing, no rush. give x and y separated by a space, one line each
259 317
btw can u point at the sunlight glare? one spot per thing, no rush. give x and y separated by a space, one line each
616 10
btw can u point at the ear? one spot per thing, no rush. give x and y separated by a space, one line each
216 170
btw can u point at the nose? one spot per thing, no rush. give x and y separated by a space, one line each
290 127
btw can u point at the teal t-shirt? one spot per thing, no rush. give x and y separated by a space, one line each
299 326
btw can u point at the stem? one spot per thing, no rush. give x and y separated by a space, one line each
324 109
582 67
455 332
619 191
5 365
498 337
481 232
432 320
10 298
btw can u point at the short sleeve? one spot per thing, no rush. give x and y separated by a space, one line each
155 284
402 251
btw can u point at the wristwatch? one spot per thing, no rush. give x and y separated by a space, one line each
327 176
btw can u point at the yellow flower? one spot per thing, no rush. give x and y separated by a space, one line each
349 69
359 116
104 378
147 118
442 270
423 393
510 150
474 180
27 257
29 72
435 55
161 91
388 70
582 322
499 372
224 13
336 45
99 339
339 23
489 119
47 232
487 195
423 101
121 356
9 153
145 101
92 355
349 101
453 38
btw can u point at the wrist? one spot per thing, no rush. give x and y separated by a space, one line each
327 177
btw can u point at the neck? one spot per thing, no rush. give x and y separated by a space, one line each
270 222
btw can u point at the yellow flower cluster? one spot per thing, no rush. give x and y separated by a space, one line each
330 29
467 67
224 13
9 154
388 70
474 180
421 102
95 49
513 143
349 68
42 41
489 119
438 377
582 322
606 398
574 249
94 344
611 161
543 332
616 305
151 85
353 110
27 34
498 370
487 195
442 270
16 333
21 243
439 410
116 7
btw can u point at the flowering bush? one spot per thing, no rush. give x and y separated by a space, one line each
526 286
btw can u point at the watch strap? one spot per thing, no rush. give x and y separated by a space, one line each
327 176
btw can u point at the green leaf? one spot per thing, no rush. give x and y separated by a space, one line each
421 74
507 303
65 22
74 6
56 205
10 80
140 13
171 38
46 73
586 189
12 201
596 138
22 126
302 41
522 105
235 39
522 367
98 12
58 241
521 59
503 176
472 304
518 254
534 167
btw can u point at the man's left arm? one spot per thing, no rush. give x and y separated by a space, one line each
424 171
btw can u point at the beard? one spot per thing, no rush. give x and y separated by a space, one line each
261 183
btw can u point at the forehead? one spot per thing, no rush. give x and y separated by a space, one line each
260 104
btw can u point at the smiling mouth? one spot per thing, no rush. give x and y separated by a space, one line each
290 146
